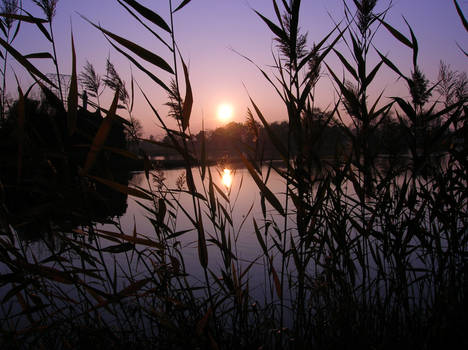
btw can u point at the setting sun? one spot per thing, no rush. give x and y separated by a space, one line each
225 112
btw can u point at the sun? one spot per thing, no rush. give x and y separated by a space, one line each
225 112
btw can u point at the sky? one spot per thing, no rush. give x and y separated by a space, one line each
210 35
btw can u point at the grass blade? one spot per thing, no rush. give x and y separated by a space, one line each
185 2
149 14
263 188
140 67
202 248
260 239
29 19
274 28
274 139
25 63
101 135
122 188
39 55
346 64
461 15
21 121
144 25
73 93
397 35
136 49
188 101
135 240
276 280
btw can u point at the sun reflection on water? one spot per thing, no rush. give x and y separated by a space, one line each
227 178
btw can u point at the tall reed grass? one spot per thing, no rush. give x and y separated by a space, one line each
353 254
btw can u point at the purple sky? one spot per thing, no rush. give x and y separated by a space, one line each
207 30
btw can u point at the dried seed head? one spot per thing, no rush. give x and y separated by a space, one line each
290 52
9 7
314 67
90 79
49 7
365 14
114 82
418 85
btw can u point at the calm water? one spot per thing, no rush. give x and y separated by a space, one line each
243 206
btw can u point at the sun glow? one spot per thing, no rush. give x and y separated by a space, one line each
225 112
227 178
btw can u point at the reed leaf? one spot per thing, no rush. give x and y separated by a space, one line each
134 240
25 63
278 14
182 5
14 291
149 14
221 192
39 55
140 67
101 135
30 19
133 288
73 94
280 33
21 122
461 15
371 75
391 65
276 280
121 152
348 95
48 272
162 209
201 324
359 57
296 258
414 41
136 49
346 64
144 25
226 214
202 248
203 154
406 107
307 58
122 188
266 192
274 139
119 248
396 34
3 29
188 101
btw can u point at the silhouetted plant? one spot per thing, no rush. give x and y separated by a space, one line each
9 8
91 81
362 248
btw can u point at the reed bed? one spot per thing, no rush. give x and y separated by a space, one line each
353 254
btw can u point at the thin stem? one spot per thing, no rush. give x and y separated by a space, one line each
2 111
56 62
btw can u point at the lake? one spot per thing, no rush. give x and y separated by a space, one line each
243 205
389 250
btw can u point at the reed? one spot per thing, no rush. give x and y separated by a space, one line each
354 253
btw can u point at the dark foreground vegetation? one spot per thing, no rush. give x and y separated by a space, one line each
353 255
